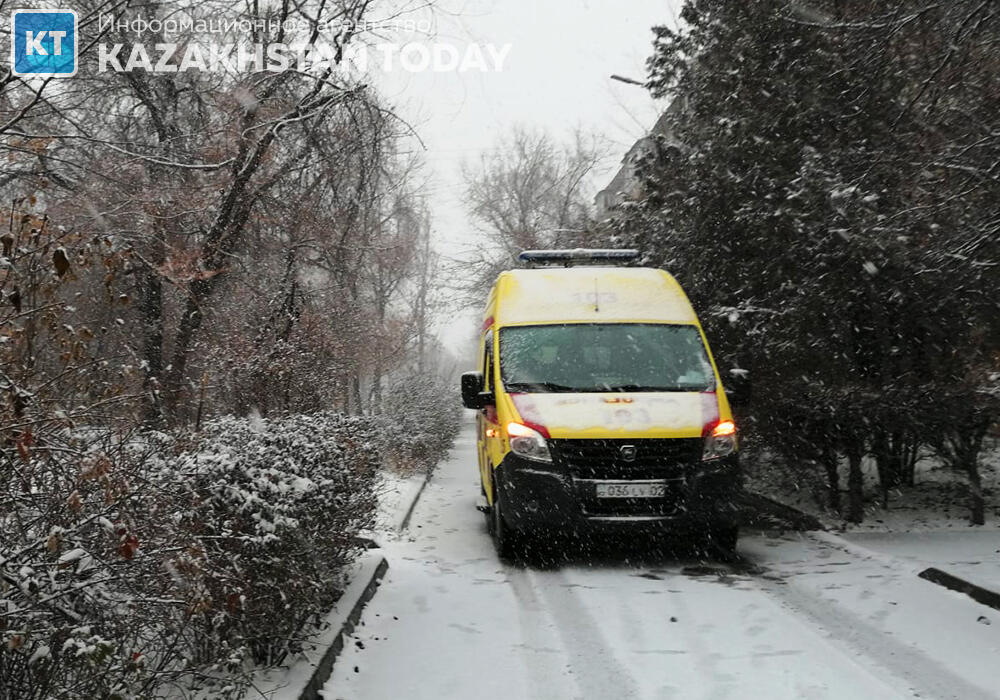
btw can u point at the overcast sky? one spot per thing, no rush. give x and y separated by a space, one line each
556 77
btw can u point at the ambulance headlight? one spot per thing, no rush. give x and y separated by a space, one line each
721 441
528 443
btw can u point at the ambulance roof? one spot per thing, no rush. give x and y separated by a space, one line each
590 295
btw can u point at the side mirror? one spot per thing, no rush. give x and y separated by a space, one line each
738 388
472 391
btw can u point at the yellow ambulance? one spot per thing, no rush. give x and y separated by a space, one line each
599 405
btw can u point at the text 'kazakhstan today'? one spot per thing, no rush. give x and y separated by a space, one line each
414 57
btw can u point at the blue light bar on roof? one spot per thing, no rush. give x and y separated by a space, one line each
579 256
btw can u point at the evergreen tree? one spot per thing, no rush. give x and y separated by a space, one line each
824 198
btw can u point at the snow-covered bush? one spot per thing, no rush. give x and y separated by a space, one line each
421 415
135 563
275 506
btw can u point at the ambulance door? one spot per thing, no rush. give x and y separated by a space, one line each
486 420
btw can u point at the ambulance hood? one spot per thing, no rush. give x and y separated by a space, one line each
619 415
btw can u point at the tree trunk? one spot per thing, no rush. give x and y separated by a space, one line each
421 315
892 452
855 486
375 401
977 510
830 463
198 294
910 461
961 450
151 311
356 393
883 464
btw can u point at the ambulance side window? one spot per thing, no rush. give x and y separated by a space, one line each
488 363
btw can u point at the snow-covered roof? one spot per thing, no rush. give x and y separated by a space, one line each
590 294
625 185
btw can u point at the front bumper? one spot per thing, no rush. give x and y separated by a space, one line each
538 495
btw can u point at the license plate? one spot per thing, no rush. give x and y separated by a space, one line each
631 490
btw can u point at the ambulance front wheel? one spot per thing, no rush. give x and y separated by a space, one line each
505 540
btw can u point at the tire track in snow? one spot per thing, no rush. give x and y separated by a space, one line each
595 669
688 641
719 686
872 648
719 655
533 615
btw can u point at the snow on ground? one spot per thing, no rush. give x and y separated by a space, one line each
874 605
937 501
801 616
973 555
395 495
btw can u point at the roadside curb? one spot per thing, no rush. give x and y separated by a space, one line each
325 666
979 594
323 669
405 522
305 679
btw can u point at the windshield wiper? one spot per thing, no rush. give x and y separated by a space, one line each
539 386
644 387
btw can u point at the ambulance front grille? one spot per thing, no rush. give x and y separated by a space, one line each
655 458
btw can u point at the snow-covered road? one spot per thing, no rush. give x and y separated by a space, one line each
800 617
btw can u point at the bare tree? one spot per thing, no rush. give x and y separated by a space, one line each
530 191
183 171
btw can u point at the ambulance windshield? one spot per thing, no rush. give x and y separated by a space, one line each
584 357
